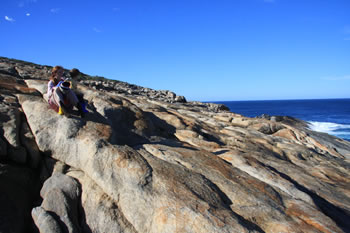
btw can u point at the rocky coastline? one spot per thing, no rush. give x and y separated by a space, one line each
144 160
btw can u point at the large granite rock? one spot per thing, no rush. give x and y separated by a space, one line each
148 165
100 213
59 209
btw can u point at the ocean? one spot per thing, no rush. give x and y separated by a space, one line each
330 116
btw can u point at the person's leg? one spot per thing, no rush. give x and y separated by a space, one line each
63 109
81 110
72 98
82 102
80 96
52 104
59 100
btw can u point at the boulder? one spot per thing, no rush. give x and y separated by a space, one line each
46 222
100 212
59 209
10 126
180 99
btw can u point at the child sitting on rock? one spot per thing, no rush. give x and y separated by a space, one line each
63 99
55 78
75 74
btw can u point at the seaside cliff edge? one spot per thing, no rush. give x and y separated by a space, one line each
149 161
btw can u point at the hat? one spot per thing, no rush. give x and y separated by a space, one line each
64 86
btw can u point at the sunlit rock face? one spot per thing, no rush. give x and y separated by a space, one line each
149 163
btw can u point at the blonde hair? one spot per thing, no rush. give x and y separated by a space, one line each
54 74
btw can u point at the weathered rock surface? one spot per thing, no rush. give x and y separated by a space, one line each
61 198
141 164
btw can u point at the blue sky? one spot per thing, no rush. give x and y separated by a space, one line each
203 49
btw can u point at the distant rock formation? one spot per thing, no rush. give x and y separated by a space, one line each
149 161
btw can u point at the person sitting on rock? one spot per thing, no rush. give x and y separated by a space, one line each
60 97
74 75
63 99
55 78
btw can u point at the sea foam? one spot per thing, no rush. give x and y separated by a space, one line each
339 130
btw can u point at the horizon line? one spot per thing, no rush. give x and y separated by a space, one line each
213 101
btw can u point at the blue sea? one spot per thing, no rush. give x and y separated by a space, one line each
331 116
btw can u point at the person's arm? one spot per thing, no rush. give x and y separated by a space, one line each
73 84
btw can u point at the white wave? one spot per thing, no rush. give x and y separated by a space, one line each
329 127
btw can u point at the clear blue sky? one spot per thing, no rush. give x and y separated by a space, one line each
206 50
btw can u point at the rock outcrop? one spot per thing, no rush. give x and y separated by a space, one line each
138 163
